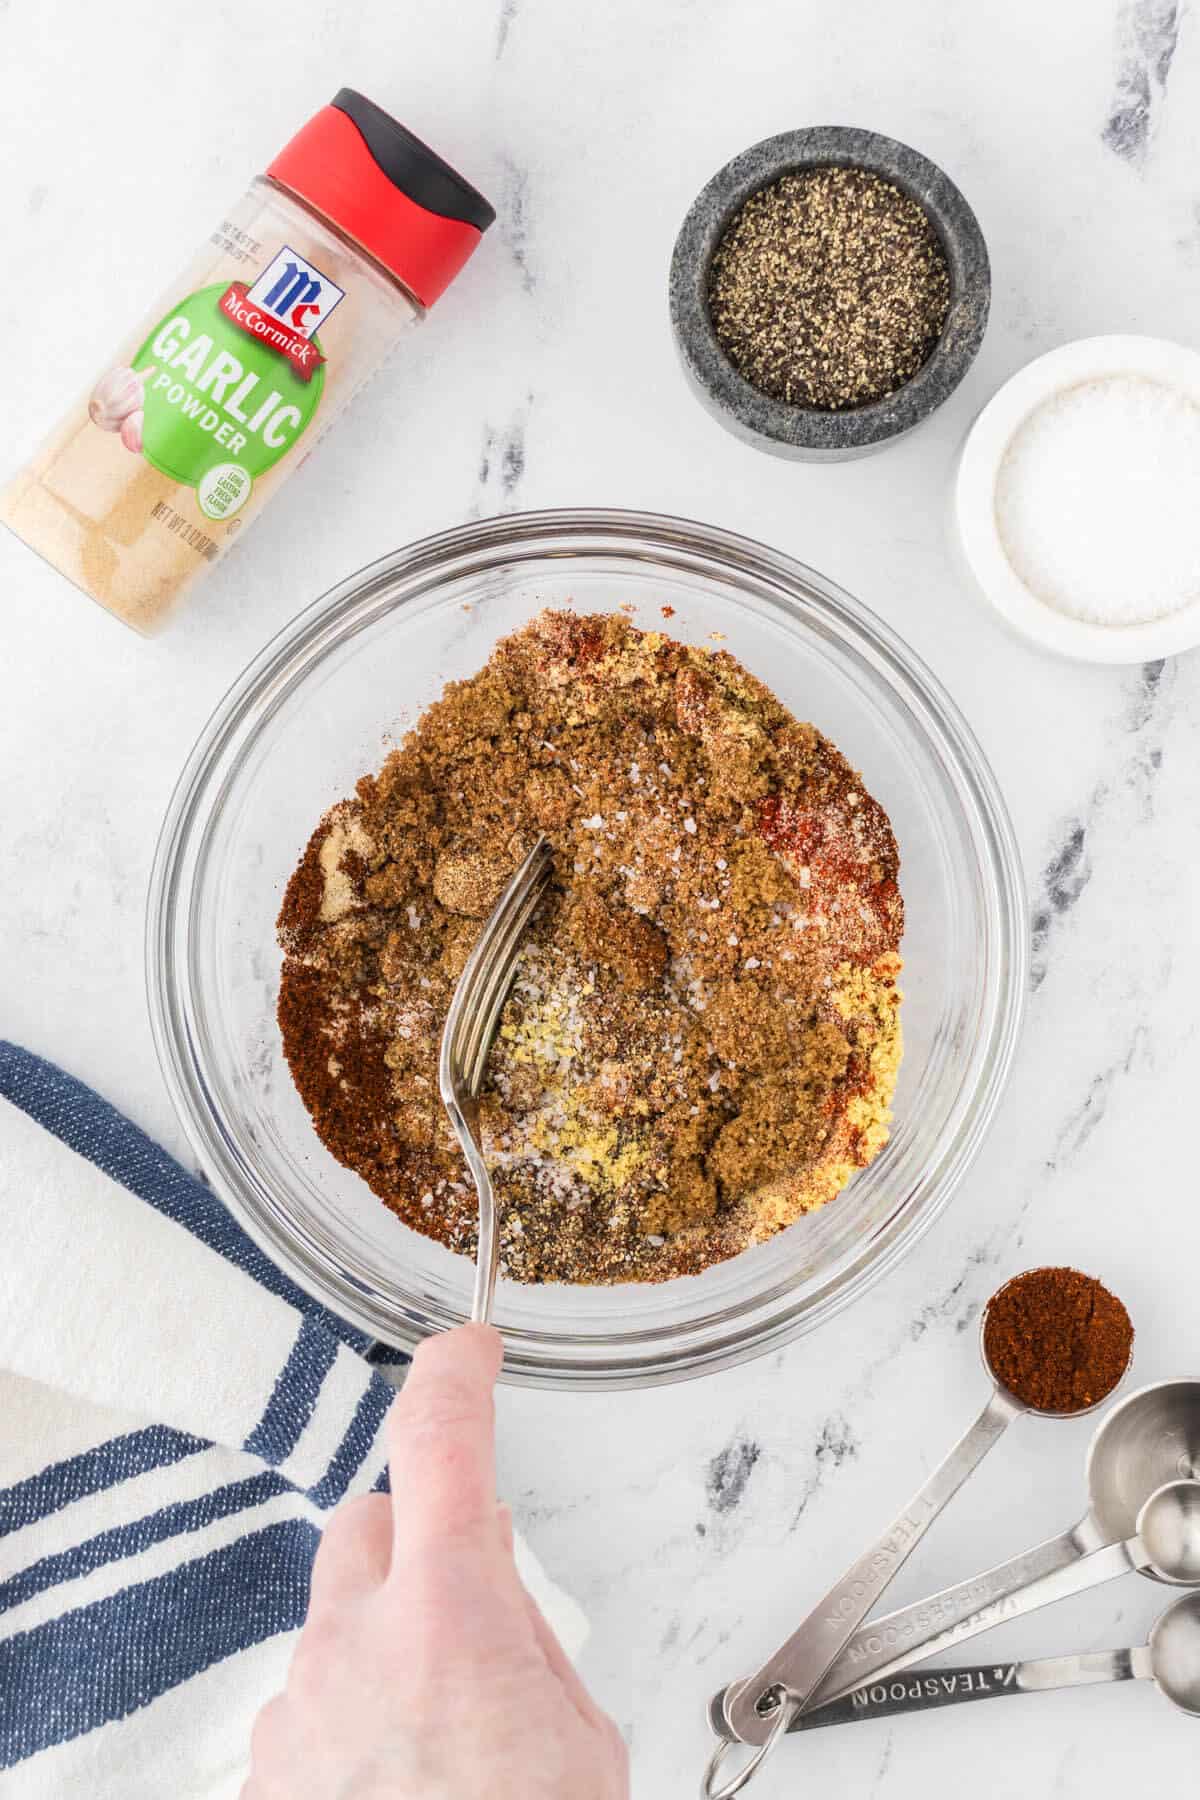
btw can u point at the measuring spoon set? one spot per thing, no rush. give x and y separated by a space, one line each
1143 1513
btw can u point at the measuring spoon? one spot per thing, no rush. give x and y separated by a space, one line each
1150 1438
1171 1659
1167 1540
749 1708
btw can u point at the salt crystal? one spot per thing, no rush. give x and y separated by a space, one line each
595 823
752 962
689 825
1096 501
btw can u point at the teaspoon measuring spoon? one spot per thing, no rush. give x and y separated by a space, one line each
749 1709
1171 1659
1149 1438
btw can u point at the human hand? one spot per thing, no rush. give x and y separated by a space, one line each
425 1671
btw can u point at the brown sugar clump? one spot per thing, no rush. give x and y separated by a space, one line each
703 1037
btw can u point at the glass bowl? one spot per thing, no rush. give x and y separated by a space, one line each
322 705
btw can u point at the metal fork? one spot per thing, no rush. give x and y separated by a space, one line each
467 1038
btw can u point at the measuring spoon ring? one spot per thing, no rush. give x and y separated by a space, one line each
1171 1659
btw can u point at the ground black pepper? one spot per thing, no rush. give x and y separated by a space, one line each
829 289
1057 1340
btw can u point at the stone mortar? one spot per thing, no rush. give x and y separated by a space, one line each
805 432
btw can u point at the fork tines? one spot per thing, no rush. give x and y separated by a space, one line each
484 983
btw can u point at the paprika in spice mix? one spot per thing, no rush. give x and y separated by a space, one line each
1057 1340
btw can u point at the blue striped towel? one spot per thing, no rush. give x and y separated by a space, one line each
176 1421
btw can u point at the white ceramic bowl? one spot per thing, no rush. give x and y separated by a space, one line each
1088 359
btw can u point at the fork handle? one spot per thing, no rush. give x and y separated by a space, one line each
487 1262
487 1257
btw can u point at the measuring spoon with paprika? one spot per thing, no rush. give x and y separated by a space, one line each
1055 1343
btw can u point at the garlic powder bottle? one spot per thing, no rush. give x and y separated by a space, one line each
300 293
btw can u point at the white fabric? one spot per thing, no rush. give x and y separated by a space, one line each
113 1317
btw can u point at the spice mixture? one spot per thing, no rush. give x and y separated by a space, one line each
829 289
1057 1340
703 1036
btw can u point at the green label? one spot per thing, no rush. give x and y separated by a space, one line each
221 408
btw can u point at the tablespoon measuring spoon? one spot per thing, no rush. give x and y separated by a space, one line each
1149 1438
749 1708
1171 1659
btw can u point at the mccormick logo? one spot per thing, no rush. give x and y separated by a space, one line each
291 290
287 304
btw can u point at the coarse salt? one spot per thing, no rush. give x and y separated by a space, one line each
1098 501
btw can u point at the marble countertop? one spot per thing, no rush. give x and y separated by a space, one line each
697 1523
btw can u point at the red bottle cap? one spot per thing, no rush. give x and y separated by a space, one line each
387 190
